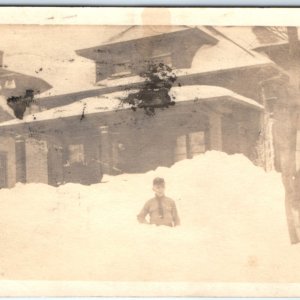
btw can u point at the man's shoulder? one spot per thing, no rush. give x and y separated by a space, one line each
167 199
150 200
170 200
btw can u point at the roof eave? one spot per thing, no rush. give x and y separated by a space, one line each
89 52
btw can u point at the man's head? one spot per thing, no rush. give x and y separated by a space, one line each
159 186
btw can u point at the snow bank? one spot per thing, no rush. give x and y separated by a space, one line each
233 227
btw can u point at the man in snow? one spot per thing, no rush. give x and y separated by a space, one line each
161 209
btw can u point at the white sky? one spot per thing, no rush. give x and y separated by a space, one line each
52 48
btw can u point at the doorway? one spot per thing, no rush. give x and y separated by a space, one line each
190 145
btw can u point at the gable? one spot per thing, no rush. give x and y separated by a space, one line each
175 47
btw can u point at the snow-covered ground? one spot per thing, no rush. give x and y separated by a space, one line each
233 227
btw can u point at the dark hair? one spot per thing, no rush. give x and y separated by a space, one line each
158 181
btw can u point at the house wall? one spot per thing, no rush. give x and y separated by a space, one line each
81 158
147 142
73 153
55 161
240 132
7 145
74 150
135 142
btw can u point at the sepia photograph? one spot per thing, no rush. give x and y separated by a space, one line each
149 153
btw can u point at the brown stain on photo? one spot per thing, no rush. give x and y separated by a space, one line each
161 15
252 261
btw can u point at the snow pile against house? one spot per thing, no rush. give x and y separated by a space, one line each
232 214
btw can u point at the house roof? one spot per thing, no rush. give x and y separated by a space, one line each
227 54
19 83
137 32
223 56
140 33
15 84
111 102
253 37
211 93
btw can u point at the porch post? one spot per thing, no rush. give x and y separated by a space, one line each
55 162
267 134
115 152
105 150
215 131
20 159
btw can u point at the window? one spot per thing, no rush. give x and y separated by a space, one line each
122 68
10 84
180 148
76 153
166 59
189 145
197 143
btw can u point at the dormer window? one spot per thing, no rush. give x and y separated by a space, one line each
10 84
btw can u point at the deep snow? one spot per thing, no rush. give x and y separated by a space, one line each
233 227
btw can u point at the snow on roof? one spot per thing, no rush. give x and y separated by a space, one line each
205 92
16 84
103 103
226 54
49 54
200 65
130 34
110 82
253 37
138 32
67 90
111 102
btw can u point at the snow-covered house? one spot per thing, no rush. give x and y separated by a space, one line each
14 84
216 109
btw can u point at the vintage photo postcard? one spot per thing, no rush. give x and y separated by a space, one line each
149 152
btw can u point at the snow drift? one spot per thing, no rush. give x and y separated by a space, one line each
233 227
